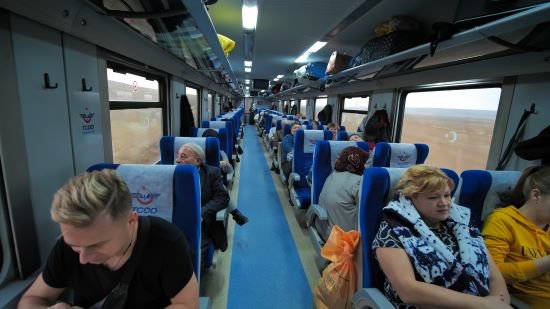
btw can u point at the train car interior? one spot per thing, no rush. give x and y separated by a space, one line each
276 90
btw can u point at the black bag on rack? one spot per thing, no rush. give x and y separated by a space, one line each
470 13
386 45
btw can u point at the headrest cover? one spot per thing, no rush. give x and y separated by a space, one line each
311 137
501 181
336 148
151 188
402 155
394 174
180 141
217 124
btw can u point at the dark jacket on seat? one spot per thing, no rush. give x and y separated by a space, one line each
214 197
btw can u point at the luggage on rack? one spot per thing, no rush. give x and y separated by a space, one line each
386 45
311 71
337 62
470 13
284 86
276 89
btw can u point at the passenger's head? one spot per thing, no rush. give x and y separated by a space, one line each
315 124
355 138
210 133
429 189
536 191
94 212
190 153
334 128
299 116
352 159
295 127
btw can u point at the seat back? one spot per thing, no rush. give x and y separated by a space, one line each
399 154
222 132
324 158
169 146
170 192
230 132
479 191
377 189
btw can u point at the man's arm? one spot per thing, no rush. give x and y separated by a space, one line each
39 295
188 297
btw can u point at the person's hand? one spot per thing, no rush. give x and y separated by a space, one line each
494 302
64 306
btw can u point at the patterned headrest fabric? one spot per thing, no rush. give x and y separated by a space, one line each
394 176
218 124
151 188
402 155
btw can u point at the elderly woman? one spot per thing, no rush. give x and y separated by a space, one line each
340 193
429 254
519 239
288 149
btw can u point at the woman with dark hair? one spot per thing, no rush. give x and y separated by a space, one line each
340 193
518 237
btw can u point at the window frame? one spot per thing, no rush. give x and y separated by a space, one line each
342 101
198 110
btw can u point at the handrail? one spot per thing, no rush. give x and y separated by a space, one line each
527 18
198 11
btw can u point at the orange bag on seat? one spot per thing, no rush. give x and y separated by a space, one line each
339 280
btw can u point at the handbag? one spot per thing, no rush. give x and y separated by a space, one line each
117 297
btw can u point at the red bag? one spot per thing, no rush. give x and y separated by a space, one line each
339 280
337 62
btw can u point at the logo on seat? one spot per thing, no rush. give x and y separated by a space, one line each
144 196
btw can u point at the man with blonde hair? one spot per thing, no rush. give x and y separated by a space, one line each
107 254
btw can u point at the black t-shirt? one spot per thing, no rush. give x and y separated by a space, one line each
164 269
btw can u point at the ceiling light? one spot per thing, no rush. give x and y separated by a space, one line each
248 70
247 88
247 63
275 79
302 58
280 76
250 15
315 47
247 81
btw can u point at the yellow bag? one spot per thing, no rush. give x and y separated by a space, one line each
339 280
227 44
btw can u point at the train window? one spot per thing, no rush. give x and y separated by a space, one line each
192 96
456 124
137 117
353 112
320 103
303 106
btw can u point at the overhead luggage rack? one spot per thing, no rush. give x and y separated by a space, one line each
457 48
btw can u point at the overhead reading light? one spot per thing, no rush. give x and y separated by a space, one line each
247 63
248 70
314 48
280 76
247 81
250 15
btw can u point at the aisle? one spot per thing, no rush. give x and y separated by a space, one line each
266 271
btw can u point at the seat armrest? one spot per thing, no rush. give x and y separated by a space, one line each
518 303
293 178
370 298
220 215
315 211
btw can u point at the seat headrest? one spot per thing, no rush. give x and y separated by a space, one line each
402 155
151 188
311 137
336 148
180 141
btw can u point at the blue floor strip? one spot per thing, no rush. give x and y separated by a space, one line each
266 271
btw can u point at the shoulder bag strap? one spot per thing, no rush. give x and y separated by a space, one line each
513 140
117 298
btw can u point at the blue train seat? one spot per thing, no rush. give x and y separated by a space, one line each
377 188
324 157
224 145
304 145
399 154
479 191
169 146
230 134
179 202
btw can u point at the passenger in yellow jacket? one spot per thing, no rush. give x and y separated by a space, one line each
518 238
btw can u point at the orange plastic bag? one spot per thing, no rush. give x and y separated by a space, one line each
339 280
